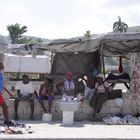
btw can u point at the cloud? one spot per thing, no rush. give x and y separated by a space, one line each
16 10
75 28
122 3
64 19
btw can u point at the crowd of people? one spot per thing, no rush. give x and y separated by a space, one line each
96 91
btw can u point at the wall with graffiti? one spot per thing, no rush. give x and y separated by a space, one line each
135 83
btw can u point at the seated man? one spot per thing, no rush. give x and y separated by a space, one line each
25 92
46 93
89 81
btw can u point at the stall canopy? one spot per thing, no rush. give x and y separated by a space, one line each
77 54
120 44
109 44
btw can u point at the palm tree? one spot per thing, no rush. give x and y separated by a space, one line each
120 26
16 31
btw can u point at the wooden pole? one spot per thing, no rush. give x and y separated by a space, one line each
102 59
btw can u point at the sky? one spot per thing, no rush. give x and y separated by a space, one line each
55 19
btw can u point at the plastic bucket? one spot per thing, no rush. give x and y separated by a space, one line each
68 117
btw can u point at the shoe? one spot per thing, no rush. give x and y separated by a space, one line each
32 118
94 115
92 119
9 123
16 117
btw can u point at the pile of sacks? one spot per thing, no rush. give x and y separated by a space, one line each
15 129
129 119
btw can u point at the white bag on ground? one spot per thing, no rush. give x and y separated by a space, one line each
118 102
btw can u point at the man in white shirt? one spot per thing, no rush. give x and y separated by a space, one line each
25 92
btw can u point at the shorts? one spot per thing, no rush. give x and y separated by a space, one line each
1 100
50 98
24 98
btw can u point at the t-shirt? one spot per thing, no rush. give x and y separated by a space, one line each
25 89
101 88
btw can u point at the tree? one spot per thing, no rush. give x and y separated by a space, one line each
87 34
119 26
29 40
16 31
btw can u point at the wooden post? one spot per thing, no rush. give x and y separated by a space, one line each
51 64
102 59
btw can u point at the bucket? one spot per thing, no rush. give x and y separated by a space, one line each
68 117
47 117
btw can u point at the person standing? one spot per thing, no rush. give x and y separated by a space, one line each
2 101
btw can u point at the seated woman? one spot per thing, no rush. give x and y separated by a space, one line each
46 93
68 88
100 95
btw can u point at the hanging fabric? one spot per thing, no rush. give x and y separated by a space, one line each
120 64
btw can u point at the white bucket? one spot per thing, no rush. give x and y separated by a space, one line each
47 117
68 117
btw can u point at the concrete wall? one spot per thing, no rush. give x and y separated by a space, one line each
135 84
84 113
